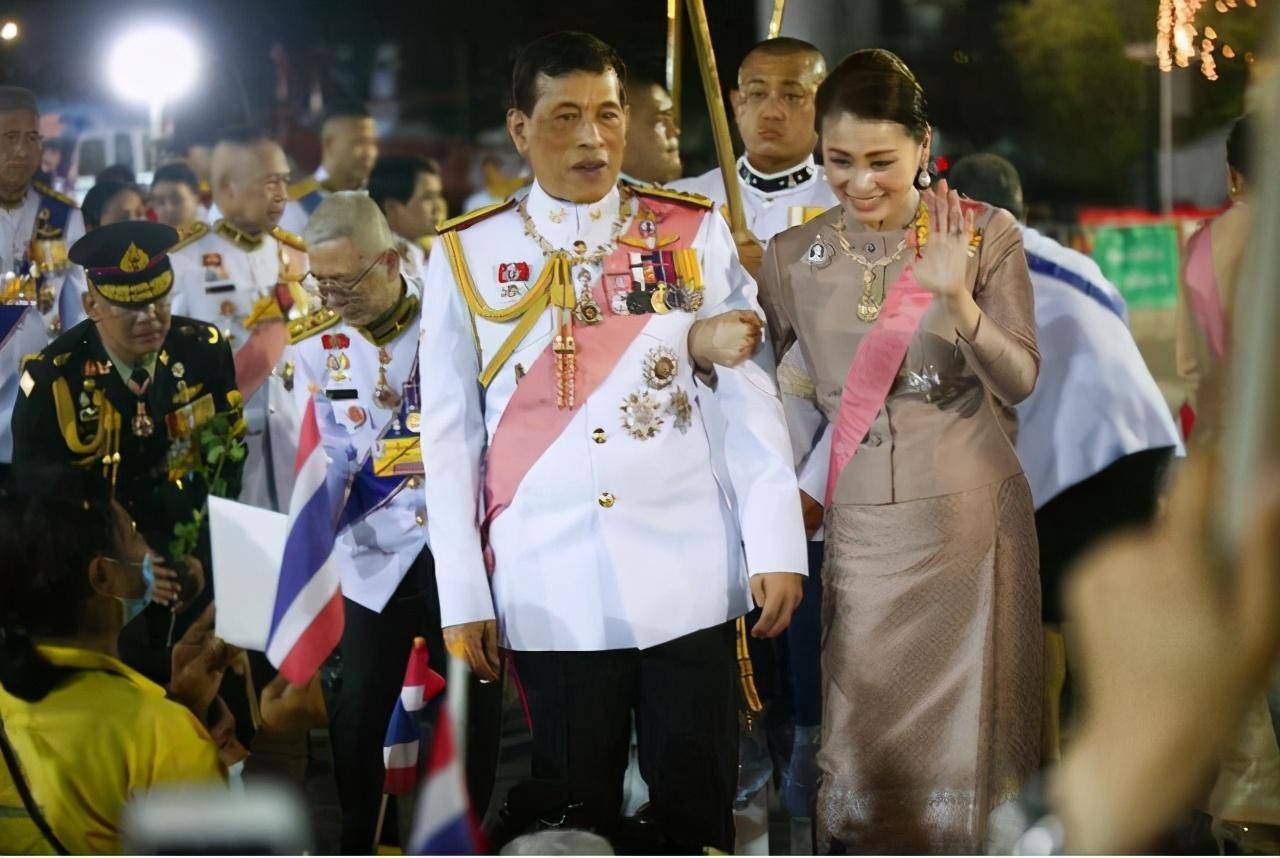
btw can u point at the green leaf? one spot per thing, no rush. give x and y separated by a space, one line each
214 453
236 453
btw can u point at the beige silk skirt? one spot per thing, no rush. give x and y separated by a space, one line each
931 667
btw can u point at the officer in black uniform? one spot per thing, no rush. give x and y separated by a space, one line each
123 396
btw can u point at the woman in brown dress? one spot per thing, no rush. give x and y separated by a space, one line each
931 621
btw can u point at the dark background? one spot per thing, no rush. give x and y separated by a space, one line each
1045 82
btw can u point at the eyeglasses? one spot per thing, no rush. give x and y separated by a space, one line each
332 284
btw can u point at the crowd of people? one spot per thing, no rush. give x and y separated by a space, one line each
855 472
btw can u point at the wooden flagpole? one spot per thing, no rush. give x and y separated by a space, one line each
674 49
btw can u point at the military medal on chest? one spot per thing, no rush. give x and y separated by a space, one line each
383 393
337 360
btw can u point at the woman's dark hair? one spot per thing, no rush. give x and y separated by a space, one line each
559 54
1240 152
395 177
47 539
874 84
102 193
179 173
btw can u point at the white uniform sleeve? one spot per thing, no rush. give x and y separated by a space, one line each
812 471
453 442
756 445
74 285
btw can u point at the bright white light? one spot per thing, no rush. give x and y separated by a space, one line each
153 64
9 31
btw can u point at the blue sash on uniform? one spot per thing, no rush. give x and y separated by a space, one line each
369 491
52 216
10 315
310 202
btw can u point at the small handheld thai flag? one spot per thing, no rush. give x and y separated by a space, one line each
442 820
306 623
400 750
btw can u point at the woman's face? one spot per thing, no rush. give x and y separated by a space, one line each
124 568
124 206
872 166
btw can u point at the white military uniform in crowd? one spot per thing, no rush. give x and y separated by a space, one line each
619 534
220 274
771 203
359 388
39 230
1095 400
412 255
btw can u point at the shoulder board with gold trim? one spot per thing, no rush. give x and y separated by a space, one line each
308 326
302 187
42 188
189 235
697 200
292 239
471 218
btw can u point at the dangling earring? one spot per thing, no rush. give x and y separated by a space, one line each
923 179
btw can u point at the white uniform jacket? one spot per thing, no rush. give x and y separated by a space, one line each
610 541
1095 400
219 280
378 548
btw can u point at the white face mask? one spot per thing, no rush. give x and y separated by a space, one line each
135 606
235 776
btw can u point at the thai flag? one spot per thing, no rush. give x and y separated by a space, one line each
306 623
400 750
442 823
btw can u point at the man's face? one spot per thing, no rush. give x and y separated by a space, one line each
774 108
20 148
175 203
419 215
653 138
575 136
129 332
350 151
357 287
125 205
254 192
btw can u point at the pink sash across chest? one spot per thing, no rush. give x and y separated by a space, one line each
531 422
875 366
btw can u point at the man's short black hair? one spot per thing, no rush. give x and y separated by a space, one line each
243 135
989 179
559 54
179 172
116 173
394 177
781 46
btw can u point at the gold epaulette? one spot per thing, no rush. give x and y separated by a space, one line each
308 326
290 238
471 218
190 234
301 188
697 200
42 188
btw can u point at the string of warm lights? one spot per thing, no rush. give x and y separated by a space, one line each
1176 35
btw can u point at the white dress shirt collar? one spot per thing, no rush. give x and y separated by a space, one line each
562 223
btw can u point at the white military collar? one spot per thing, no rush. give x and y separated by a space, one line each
773 183
562 223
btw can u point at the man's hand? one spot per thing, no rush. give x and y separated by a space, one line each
477 644
812 511
191 580
168 587
222 729
198 663
726 339
777 594
289 708
750 252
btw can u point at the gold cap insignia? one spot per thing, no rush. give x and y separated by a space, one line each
134 259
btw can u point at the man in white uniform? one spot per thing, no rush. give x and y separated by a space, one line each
241 274
37 225
410 194
617 567
653 136
349 149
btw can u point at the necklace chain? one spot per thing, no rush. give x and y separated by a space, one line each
868 304
624 215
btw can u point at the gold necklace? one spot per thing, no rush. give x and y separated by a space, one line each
580 248
868 305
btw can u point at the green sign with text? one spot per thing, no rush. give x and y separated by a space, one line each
1142 261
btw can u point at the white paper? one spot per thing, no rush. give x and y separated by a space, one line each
248 544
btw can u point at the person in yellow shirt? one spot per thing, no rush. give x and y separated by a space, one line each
82 733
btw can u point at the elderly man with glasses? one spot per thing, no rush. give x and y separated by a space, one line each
358 357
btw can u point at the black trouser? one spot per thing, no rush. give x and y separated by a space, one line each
1123 494
375 650
682 694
